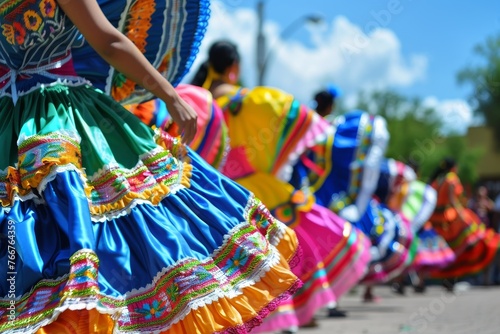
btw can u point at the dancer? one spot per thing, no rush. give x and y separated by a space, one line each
325 102
268 129
474 245
343 172
111 227
400 190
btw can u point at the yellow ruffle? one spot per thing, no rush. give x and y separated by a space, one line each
80 322
153 195
30 174
288 245
12 188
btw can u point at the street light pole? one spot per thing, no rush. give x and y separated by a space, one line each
261 43
284 35
264 55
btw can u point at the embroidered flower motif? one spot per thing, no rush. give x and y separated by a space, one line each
19 33
120 183
202 274
238 260
32 20
36 157
263 224
8 32
14 33
156 309
173 292
48 8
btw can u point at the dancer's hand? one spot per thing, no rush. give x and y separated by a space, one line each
185 118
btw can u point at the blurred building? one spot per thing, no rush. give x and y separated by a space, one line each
488 167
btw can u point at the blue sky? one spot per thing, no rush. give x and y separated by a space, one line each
444 31
417 48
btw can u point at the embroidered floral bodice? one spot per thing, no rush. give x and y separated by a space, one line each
35 45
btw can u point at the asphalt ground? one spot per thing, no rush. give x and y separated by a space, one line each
469 310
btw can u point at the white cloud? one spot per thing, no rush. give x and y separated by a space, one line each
456 114
339 52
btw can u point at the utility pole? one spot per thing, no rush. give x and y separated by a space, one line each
263 54
261 43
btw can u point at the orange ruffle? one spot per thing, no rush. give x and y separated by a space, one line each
473 259
244 310
139 23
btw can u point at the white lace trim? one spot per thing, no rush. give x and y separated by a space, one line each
70 81
280 226
59 134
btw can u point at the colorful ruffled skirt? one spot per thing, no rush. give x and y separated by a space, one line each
211 141
416 200
474 245
393 245
268 130
432 250
110 227
335 255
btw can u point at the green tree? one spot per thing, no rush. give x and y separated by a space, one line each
485 81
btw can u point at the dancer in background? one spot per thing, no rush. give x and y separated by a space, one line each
343 172
474 245
400 190
325 102
268 130
119 229
482 205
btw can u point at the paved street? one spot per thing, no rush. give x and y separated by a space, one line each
473 310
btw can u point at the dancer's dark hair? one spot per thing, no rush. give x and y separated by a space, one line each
324 102
221 55
444 167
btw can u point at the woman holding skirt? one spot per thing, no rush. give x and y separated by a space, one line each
112 227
